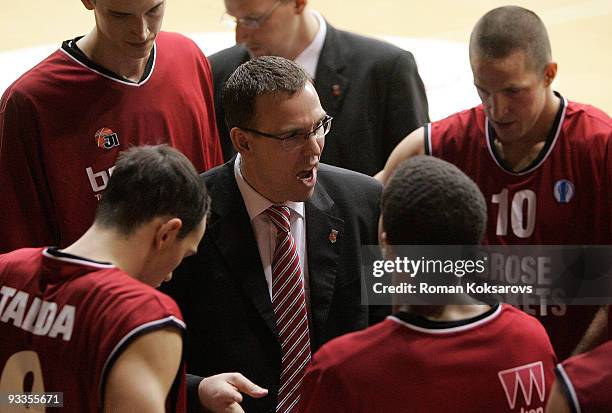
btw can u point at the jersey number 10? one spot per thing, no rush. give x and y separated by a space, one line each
521 227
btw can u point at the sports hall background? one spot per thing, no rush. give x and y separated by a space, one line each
436 31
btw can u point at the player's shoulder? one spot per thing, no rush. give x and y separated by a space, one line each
128 295
128 287
467 118
20 254
520 322
350 349
176 44
456 131
19 257
588 119
131 304
173 39
514 313
46 72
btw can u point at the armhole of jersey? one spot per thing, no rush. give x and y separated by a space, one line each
568 388
170 321
427 139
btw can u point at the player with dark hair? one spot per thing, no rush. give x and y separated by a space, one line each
63 123
87 321
167 174
434 358
461 223
538 158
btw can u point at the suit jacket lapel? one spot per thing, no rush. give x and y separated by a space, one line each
232 234
324 240
331 85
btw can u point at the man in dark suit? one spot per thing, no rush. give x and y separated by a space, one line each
229 291
371 88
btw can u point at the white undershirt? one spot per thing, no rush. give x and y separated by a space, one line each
265 230
309 58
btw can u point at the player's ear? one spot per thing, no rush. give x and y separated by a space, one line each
385 248
241 140
89 4
167 232
550 72
300 5
382 235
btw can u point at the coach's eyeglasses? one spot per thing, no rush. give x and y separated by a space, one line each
249 22
298 139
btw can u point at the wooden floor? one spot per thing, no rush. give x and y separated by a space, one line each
580 30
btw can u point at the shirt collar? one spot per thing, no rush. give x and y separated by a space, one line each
256 203
309 58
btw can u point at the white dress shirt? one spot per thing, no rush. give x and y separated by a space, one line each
309 58
265 230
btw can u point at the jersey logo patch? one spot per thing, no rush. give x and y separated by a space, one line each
526 378
106 138
564 191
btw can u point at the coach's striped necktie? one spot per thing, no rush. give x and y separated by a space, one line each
289 305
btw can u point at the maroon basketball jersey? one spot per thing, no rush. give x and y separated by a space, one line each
63 123
65 320
501 361
587 380
563 198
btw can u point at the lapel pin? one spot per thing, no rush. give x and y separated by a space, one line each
333 236
336 91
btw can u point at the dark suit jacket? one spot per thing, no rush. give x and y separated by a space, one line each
371 88
223 293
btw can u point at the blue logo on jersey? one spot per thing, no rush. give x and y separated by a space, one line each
564 191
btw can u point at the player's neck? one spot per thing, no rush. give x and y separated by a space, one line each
106 55
106 245
308 28
519 154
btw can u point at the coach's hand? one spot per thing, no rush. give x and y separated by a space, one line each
222 393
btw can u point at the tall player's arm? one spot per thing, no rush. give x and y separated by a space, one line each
27 219
142 376
596 333
411 145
